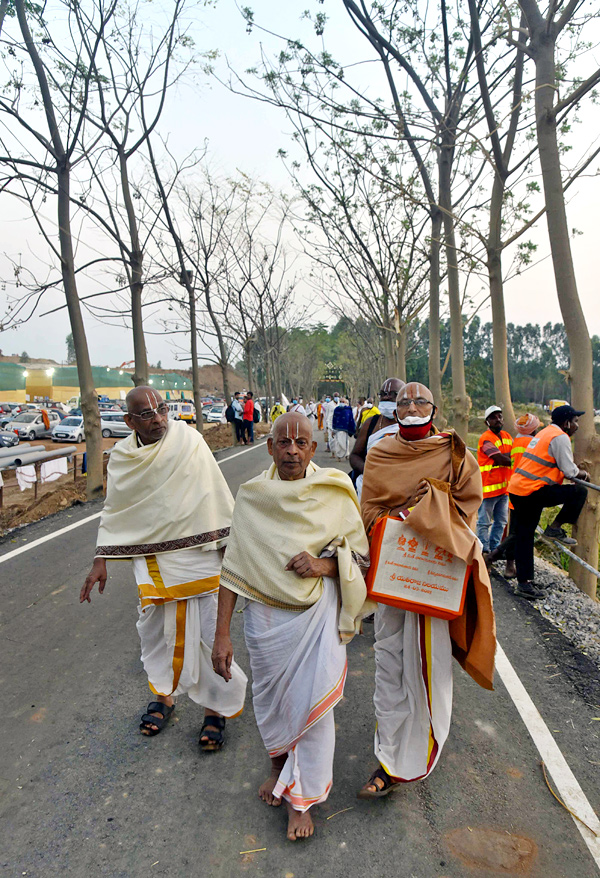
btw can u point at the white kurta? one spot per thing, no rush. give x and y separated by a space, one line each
176 624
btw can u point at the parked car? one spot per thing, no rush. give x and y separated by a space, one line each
59 412
70 429
30 425
8 440
215 414
113 424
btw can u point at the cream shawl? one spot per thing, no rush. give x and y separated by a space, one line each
165 496
275 520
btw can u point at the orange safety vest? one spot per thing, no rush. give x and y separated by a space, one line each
495 478
537 467
519 446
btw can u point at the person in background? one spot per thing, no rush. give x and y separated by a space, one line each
343 427
369 410
296 406
526 428
357 410
493 456
536 483
374 429
249 418
238 408
328 409
311 411
276 411
320 415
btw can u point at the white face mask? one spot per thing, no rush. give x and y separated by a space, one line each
414 421
387 408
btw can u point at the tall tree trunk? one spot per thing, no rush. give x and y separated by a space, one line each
89 398
587 443
140 374
249 364
499 334
195 369
461 403
435 347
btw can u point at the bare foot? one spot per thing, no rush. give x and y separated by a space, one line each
300 824
265 790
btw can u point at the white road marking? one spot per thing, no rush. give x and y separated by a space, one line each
64 530
564 779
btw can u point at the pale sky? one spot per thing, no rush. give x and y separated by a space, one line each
243 134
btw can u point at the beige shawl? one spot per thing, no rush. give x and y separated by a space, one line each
446 516
165 496
275 520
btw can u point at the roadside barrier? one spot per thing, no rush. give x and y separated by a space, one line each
36 459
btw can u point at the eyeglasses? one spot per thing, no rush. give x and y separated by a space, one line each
148 414
420 403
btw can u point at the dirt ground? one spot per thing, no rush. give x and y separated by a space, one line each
20 507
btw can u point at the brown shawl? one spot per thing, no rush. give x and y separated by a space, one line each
446 515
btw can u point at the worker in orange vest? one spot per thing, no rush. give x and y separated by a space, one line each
537 482
526 427
493 456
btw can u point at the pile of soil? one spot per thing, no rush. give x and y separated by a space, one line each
63 496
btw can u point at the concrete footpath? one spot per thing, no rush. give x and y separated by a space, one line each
82 793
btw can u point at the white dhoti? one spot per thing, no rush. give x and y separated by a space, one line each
340 444
298 670
413 691
177 620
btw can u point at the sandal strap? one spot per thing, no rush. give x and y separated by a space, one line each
211 735
381 774
149 720
159 707
216 721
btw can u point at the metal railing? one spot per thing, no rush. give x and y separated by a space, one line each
27 458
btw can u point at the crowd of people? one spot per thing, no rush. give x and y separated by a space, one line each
295 547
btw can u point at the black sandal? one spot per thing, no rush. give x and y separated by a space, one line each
158 721
216 739
388 785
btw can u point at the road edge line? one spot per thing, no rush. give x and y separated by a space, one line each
566 782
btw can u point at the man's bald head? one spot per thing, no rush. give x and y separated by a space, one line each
293 423
141 398
390 389
291 445
143 415
415 390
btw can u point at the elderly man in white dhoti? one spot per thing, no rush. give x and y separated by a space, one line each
168 508
296 548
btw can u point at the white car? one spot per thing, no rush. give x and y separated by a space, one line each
69 430
215 414
113 424
30 425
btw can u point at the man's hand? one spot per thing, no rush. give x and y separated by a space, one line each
307 567
222 656
584 475
98 575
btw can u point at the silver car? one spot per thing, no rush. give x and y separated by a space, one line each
69 430
113 424
30 425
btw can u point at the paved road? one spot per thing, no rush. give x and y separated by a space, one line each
83 794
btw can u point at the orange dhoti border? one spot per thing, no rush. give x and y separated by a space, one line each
298 670
176 623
